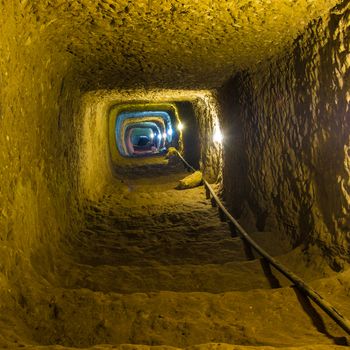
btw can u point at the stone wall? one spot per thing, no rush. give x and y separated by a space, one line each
287 157
207 112
38 151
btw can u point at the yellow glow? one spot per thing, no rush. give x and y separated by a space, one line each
180 126
217 137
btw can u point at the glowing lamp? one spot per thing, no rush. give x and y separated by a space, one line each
164 135
217 137
159 136
151 136
170 132
180 126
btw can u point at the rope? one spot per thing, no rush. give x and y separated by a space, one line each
330 310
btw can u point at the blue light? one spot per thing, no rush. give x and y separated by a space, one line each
142 117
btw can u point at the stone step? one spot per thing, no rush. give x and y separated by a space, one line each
212 278
173 247
179 278
82 318
154 252
192 221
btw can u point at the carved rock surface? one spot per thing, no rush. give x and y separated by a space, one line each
288 159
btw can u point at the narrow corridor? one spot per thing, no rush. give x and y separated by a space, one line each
99 246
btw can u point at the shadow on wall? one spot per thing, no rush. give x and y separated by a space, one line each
190 133
235 170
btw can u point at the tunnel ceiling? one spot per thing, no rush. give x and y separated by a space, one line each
168 43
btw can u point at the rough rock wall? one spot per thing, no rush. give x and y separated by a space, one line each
288 158
95 163
38 154
171 43
207 110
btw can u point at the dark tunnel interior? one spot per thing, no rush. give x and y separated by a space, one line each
109 239
190 134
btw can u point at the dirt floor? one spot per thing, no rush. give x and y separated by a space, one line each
156 267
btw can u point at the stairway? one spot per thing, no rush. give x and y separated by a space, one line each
155 267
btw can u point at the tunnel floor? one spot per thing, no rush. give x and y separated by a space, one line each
156 266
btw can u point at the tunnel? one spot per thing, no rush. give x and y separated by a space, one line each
141 141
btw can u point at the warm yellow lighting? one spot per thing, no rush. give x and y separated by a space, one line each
217 137
180 126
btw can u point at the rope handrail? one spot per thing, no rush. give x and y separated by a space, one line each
330 310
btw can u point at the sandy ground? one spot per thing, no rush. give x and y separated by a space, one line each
156 266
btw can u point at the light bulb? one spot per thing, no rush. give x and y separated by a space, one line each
217 137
